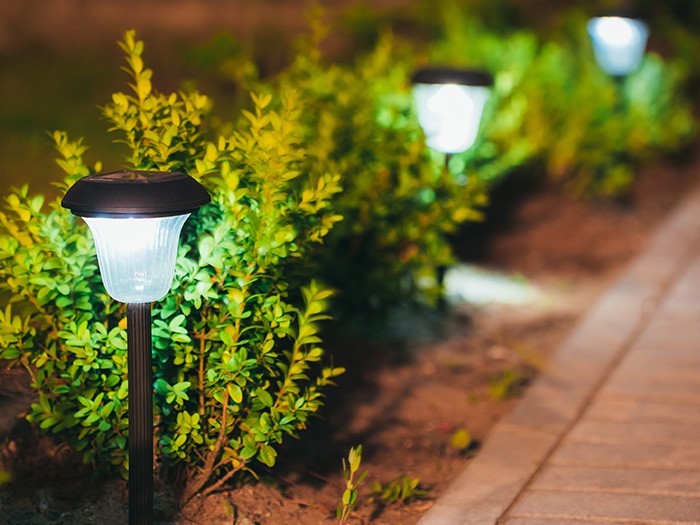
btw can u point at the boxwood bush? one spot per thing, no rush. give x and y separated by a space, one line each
236 347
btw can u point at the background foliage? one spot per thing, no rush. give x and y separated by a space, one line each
398 201
556 111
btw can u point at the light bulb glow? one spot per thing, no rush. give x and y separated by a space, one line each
137 255
469 284
618 43
450 114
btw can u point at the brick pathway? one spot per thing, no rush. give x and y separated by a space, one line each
610 431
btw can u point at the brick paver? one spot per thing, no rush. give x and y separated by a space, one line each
610 431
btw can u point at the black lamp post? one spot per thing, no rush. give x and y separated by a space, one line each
450 102
136 218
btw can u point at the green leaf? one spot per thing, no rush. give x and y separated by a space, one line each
349 497
235 392
264 396
248 452
10 353
267 455
354 458
162 387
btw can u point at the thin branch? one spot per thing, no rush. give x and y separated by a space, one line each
202 340
222 480
199 480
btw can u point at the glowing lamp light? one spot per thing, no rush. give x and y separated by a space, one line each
136 255
136 218
450 103
618 43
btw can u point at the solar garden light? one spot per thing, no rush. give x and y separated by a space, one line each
618 43
450 103
136 218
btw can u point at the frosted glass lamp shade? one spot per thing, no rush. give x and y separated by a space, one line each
618 43
137 255
450 104
450 114
136 218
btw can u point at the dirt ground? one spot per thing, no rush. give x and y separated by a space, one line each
403 403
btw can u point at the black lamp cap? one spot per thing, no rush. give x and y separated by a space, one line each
622 11
450 75
133 193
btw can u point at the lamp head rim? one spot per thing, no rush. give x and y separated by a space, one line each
628 13
452 75
135 193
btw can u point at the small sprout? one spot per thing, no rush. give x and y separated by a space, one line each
506 385
5 476
461 440
349 498
398 491
229 510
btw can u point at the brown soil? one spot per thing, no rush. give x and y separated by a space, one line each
402 406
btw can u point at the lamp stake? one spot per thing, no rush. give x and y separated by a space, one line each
138 318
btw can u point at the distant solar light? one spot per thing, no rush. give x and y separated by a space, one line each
450 103
618 43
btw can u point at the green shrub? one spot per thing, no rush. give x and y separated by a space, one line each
398 202
400 206
235 344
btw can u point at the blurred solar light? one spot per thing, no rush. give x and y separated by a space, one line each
450 103
618 43
468 284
